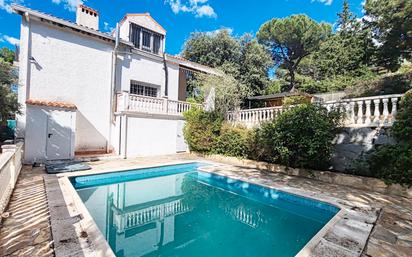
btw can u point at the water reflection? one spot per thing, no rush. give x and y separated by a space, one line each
186 215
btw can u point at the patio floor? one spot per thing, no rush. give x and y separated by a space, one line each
27 231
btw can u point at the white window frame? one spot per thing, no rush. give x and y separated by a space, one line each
152 35
145 86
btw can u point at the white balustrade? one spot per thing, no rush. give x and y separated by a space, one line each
146 215
365 111
153 105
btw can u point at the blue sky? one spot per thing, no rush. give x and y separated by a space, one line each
179 17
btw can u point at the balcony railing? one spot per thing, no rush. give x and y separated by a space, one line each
358 112
152 105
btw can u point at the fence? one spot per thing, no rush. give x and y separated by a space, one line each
365 111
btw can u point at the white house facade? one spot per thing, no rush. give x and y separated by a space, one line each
83 91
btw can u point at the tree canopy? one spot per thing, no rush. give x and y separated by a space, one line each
291 39
243 58
391 23
8 99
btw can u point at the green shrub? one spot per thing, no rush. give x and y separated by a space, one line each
402 129
300 137
6 133
294 100
392 163
202 129
232 141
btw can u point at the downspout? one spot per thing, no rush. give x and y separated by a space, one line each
28 55
112 88
166 74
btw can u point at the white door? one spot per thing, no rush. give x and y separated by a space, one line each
181 145
59 135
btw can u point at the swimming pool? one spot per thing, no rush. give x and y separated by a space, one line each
177 210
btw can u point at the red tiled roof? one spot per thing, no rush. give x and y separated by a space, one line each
58 104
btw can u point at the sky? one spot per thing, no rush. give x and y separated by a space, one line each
178 17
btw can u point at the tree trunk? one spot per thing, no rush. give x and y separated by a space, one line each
292 80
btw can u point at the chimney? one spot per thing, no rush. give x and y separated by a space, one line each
87 17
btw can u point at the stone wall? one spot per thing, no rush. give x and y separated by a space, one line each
354 144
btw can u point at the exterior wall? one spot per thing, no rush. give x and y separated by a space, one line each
24 81
148 69
142 69
149 136
36 127
74 68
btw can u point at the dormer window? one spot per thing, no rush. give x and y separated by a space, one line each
145 39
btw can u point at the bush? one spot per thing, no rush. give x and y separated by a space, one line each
232 141
6 133
202 129
294 100
392 163
402 129
300 137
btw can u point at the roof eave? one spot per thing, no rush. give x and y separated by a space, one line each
23 10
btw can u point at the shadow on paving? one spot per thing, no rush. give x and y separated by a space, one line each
26 232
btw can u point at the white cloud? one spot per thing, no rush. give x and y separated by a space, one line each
6 4
107 27
325 2
70 5
213 32
10 40
199 8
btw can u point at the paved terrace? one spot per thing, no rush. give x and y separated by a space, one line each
26 232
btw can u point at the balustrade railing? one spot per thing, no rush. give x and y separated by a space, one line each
153 105
144 216
365 111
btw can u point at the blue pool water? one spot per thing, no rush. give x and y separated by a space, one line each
180 211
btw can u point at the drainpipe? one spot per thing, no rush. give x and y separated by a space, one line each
113 86
166 74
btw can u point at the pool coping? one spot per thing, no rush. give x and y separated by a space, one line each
93 243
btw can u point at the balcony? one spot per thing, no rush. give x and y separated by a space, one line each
151 105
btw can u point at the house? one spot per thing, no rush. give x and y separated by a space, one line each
83 91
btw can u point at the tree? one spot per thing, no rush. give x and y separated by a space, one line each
344 55
249 61
212 48
254 65
7 55
391 23
8 99
229 93
291 39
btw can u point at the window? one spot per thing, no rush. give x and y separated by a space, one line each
140 89
135 35
156 43
145 39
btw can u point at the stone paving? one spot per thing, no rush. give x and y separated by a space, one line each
26 232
